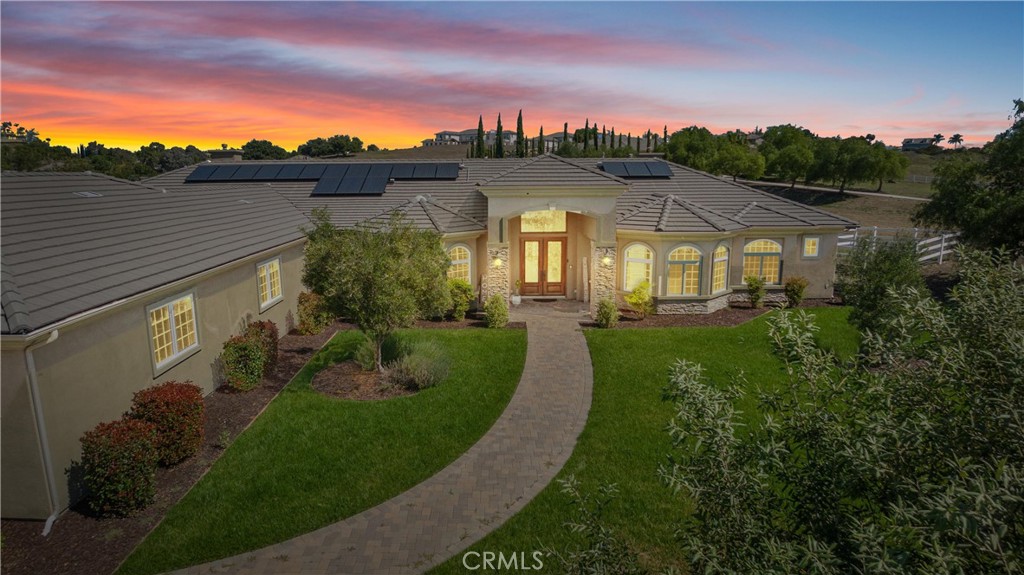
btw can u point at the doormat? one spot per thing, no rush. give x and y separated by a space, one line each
543 299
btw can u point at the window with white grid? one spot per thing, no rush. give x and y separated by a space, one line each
268 279
172 328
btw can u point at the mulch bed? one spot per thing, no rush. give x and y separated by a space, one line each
731 316
81 543
346 380
472 320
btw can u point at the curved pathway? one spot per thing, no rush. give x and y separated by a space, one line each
473 496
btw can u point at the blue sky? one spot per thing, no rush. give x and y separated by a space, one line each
393 73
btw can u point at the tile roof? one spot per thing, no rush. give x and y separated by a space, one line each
552 171
77 241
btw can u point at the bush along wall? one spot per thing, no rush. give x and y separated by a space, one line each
248 357
179 416
119 460
314 316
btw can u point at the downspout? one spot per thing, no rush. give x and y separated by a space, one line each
44 442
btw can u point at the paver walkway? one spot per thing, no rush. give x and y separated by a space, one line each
450 511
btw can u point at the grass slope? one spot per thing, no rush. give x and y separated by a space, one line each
625 441
310 460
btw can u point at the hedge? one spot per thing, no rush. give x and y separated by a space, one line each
177 411
119 460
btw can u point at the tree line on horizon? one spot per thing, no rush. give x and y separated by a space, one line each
34 153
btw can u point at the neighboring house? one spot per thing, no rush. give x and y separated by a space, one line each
450 138
914 144
110 286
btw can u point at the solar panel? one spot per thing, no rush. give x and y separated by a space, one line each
201 173
351 185
335 171
447 171
614 168
424 171
327 187
289 172
637 170
358 171
380 171
659 169
402 171
245 172
223 173
312 171
267 172
373 185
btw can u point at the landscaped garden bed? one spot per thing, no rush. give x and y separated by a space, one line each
311 460
81 543
735 314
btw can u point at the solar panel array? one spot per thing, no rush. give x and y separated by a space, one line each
648 169
337 179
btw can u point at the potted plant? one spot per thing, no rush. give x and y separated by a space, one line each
516 298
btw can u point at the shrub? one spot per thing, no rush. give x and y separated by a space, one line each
177 412
265 333
314 316
462 296
795 287
607 313
756 291
496 309
119 461
640 300
243 360
425 365
869 271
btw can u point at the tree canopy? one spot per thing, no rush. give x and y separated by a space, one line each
336 144
263 150
381 275
983 197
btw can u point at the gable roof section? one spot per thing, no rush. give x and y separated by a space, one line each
670 213
549 171
75 242
427 213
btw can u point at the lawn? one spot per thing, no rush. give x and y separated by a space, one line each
625 441
310 460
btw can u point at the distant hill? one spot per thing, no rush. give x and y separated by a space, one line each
418 153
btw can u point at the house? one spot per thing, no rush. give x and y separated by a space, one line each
451 138
110 286
914 144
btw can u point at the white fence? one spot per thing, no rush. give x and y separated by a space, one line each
932 245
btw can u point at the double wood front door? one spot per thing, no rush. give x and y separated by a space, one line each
542 266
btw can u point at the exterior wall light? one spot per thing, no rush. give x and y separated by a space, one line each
606 261
496 263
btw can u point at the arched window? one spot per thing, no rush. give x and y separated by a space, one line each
763 258
684 271
720 269
460 264
639 259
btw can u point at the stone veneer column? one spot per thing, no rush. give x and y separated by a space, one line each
602 276
496 280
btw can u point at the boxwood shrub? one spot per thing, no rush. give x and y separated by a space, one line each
243 361
177 411
496 310
265 333
314 316
119 461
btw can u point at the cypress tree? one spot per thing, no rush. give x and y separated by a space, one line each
565 133
595 135
499 145
604 136
647 142
480 138
586 135
612 135
541 148
666 133
638 145
520 143
620 140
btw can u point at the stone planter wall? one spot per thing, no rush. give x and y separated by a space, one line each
692 307
496 280
602 276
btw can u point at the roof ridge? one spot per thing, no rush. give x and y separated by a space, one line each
666 211
696 208
12 304
743 211
424 201
457 213
643 205
794 216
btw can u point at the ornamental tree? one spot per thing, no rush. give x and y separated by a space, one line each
382 275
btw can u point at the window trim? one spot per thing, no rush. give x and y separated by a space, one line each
650 263
469 259
714 261
180 355
280 280
700 270
817 248
760 256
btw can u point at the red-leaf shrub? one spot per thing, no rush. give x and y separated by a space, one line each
119 460
313 314
265 332
177 411
243 360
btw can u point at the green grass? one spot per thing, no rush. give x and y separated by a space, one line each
625 440
310 460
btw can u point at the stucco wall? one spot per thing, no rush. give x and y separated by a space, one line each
88 375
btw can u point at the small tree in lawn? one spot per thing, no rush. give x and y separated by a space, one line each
381 275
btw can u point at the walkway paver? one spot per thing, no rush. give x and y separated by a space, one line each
473 496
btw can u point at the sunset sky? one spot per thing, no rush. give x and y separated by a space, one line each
206 73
